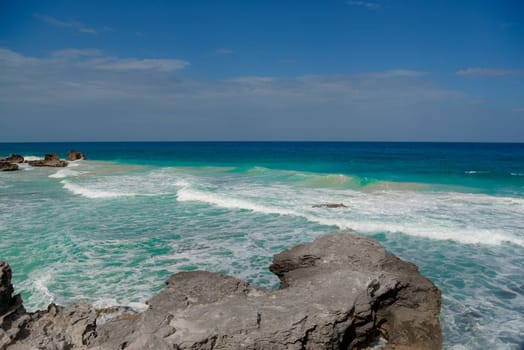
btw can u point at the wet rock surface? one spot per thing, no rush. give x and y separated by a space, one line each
74 155
339 292
6 166
50 160
14 158
330 205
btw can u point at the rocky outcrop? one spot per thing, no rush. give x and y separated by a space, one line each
74 155
14 158
6 166
12 313
330 205
50 160
339 292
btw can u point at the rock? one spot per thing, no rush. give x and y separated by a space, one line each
6 288
50 160
6 166
14 158
330 205
12 312
74 155
58 327
338 292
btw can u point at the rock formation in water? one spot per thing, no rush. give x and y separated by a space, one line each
338 292
14 158
74 155
50 160
6 166
330 205
11 162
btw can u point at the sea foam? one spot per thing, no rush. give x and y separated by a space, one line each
92 193
417 214
63 173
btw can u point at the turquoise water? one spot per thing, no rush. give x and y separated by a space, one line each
111 229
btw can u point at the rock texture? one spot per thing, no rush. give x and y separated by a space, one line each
74 155
12 313
339 292
14 158
50 160
6 166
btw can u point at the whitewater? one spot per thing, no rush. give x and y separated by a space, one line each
109 230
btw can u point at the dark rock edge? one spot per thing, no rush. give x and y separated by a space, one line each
339 292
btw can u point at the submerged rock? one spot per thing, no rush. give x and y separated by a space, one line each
6 166
74 155
330 205
50 160
338 292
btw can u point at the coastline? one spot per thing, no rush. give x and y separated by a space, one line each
340 291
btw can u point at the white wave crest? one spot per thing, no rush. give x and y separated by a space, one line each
366 216
186 194
476 172
93 193
37 285
75 163
30 158
63 173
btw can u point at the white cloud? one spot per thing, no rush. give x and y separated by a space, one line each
128 64
368 5
92 59
85 94
489 72
11 58
252 80
68 54
395 73
75 25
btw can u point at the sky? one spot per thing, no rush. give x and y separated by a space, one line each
326 70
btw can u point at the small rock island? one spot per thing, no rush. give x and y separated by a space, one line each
10 163
339 292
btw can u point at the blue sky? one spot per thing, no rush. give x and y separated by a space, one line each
262 70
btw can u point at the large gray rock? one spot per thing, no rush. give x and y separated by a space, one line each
339 292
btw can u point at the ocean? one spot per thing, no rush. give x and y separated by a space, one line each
110 230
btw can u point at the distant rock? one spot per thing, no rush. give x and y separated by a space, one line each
50 160
338 292
14 158
74 155
330 205
6 166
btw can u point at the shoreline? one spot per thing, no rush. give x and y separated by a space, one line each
340 291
